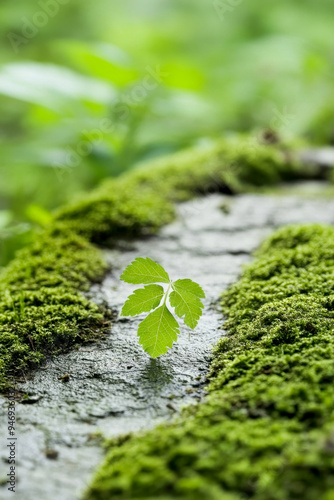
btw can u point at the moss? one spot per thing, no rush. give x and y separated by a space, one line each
143 200
42 309
266 429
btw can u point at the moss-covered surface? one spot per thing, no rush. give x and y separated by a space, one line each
42 309
143 200
266 429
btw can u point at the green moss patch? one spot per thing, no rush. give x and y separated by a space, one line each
266 429
42 309
143 200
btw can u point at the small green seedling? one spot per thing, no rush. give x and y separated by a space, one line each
159 329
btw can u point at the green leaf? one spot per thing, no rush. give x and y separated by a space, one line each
143 300
189 286
144 270
185 299
158 331
52 86
6 216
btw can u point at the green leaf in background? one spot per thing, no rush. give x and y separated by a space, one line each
182 75
52 86
185 298
143 300
186 80
102 60
158 332
6 217
145 270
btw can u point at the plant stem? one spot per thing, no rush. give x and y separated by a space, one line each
166 293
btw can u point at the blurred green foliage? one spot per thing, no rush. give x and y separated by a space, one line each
87 89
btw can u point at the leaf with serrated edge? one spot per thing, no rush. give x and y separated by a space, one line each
158 331
189 286
143 300
144 271
186 302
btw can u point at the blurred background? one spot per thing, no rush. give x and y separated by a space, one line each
89 89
